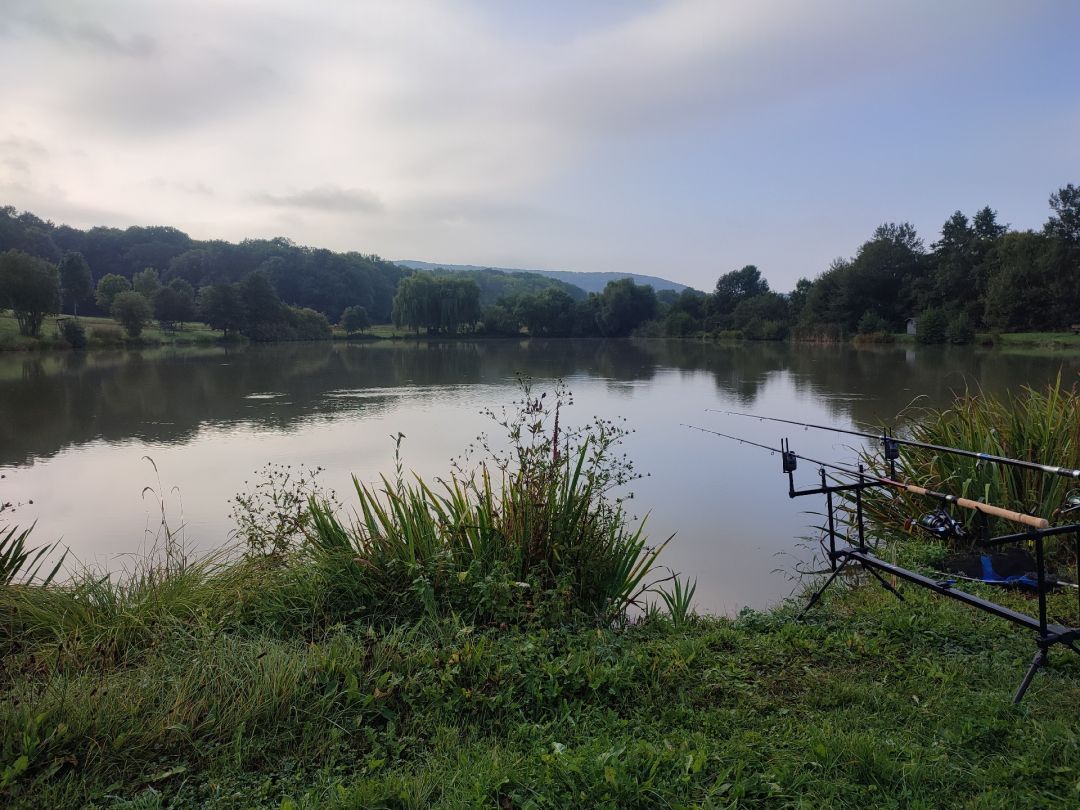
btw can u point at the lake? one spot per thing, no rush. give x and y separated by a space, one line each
75 428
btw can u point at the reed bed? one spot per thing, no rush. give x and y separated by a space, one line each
1041 426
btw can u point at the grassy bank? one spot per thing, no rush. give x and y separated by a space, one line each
103 333
871 702
106 333
1053 340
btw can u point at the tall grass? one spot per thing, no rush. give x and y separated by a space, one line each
539 514
556 533
1041 426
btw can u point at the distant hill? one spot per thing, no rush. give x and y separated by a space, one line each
589 282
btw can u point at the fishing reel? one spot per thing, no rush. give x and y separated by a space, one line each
1070 504
940 524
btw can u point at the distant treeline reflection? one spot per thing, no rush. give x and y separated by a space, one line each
54 401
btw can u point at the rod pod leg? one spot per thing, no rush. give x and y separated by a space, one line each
823 588
1037 662
884 582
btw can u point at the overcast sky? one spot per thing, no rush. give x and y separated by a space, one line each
682 139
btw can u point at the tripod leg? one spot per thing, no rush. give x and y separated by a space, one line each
823 588
1038 661
884 582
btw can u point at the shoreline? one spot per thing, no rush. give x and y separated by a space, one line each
1063 342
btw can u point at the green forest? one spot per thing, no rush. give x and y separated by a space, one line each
977 275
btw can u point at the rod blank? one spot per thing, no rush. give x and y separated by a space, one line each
966 503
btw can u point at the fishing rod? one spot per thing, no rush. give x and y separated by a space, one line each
966 503
1014 462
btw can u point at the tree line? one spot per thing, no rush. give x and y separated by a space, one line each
33 288
452 303
305 277
978 275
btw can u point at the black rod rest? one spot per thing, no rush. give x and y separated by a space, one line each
1047 634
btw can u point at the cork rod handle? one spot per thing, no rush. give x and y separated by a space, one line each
987 509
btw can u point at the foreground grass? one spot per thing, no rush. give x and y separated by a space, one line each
871 701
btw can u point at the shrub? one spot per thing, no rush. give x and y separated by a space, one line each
823 333
680 324
273 517
107 335
133 312
871 323
932 327
307 324
759 329
874 338
960 330
73 332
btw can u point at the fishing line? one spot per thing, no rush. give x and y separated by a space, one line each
1067 472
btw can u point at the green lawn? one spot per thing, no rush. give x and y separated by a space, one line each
380 330
102 331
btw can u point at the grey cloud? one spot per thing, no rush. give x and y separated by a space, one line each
16 165
178 94
198 189
26 147
37 20
329 199
139 45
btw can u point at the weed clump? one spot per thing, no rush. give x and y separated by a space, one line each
530 524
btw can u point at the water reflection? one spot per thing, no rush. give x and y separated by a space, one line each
51 402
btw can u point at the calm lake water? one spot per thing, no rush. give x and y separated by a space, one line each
74 430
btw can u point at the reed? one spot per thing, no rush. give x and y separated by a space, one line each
19 562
